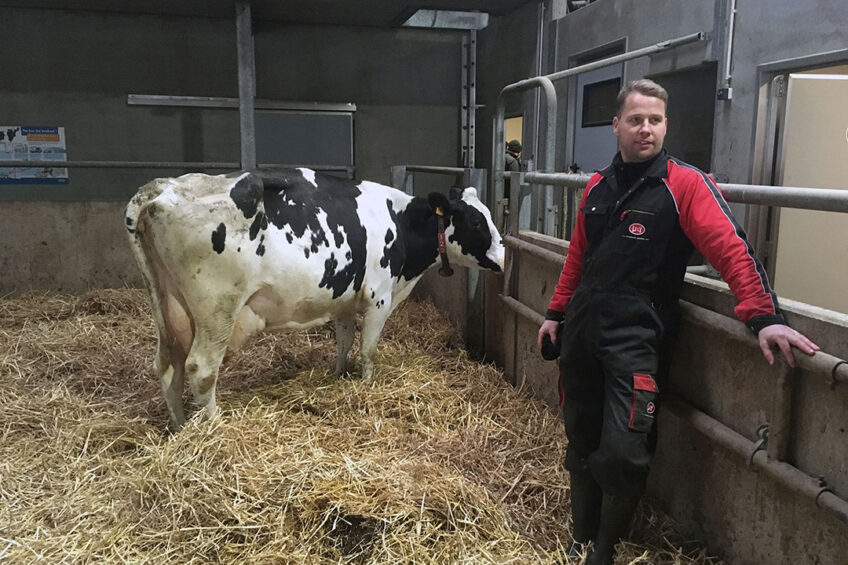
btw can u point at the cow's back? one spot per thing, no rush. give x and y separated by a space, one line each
295 247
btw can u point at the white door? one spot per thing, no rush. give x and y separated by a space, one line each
811 262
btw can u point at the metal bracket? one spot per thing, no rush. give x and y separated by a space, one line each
761 444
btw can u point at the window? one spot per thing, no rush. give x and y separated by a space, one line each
599 102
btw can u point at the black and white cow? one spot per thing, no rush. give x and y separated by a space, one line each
227 256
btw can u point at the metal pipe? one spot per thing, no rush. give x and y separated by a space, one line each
821 363
557 179
161 165
828 199
729 51
435 170
246 84
534 250
472 99
498 142
786 475
661 46
524 311
224 102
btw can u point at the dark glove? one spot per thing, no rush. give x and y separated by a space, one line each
550 350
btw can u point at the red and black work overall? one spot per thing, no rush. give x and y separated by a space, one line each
621 282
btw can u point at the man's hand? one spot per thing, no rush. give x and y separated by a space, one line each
549 327
784 338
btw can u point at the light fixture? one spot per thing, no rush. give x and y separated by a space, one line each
447 19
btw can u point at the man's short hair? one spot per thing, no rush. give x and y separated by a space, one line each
643 86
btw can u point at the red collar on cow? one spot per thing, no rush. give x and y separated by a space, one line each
445 270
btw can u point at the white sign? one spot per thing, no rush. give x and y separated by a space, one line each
33 143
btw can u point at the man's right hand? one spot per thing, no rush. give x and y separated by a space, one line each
549 327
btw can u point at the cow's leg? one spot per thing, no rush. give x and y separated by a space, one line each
372 326
169 363
170 366
202 366
345 325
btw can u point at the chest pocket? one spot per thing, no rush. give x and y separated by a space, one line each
596 217
636 231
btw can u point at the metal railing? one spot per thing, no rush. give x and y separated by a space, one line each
545 82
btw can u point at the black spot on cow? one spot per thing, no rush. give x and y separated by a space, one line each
306 252
394 256
260 222
348 255
218 238
289 237
292 203
415 246
373 294
247 193
129 224
260 249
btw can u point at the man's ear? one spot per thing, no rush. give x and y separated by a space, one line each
455 193
439 201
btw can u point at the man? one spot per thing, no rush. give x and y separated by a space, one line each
511 159
617 296
511 162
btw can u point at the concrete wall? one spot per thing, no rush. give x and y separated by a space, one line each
75 69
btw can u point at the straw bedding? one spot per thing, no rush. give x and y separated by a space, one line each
435 460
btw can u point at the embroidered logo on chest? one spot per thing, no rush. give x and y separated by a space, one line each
636 229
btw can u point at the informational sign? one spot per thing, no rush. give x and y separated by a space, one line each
33 143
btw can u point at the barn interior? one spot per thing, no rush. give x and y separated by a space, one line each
422 96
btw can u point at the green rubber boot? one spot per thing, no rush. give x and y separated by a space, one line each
616 515
586 497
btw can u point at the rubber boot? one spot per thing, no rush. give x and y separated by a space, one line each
616 515
586 498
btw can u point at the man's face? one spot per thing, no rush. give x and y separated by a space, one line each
640 127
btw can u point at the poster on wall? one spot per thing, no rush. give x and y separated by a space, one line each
33 143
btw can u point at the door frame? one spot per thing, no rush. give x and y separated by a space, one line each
762 222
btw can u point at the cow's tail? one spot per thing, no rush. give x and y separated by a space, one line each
139 213
138 232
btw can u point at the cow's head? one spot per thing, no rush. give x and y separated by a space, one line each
472 238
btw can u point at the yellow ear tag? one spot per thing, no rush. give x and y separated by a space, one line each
439 211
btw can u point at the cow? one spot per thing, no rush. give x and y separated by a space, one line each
227 256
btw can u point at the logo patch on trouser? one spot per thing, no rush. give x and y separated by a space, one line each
643 406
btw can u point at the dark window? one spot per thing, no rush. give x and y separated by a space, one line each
599 102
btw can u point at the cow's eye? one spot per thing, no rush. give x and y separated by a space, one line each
475 224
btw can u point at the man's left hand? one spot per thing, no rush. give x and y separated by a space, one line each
784 338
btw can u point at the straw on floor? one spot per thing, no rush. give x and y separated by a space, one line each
435 460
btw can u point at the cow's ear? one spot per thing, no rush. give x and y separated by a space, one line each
455 193
437 201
